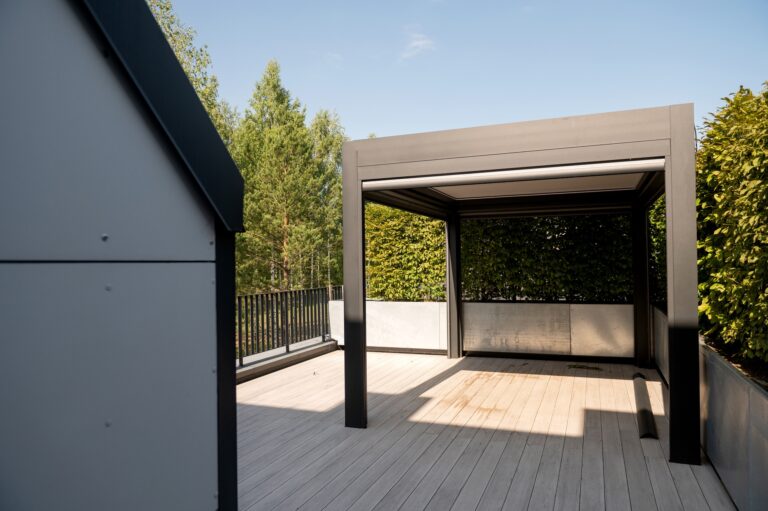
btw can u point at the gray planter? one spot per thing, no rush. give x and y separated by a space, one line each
734 413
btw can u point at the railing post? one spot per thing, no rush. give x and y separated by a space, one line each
326 313
284 320
240 330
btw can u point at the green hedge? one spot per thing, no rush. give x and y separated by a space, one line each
657 264
732 180
577 259
405 255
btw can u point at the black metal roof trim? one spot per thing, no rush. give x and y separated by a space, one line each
140 46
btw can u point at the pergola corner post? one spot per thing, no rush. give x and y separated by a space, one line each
355 370
453 283
682 299
641 286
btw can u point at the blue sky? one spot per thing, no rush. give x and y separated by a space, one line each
395 67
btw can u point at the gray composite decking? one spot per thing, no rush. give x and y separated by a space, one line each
463 434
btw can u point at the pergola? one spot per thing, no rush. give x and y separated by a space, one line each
616 162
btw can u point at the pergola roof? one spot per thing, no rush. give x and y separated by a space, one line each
571 164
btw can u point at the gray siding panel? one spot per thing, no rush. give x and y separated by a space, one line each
108 395
83 159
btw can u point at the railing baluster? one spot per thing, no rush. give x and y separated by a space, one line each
284 323
272 340
251 329
256 328
240 330
268 321
325 313
314 314
255 305
271 320
305 314
262 335
293 316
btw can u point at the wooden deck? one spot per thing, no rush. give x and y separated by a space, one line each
475 433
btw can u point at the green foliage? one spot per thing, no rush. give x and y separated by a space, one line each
196 62
405 255
574 259
292 206
292 172
732 181
657 227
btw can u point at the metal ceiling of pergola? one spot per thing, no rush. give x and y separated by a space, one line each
617 162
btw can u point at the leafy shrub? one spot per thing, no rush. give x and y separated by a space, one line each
732 180
575 259
405 255
553 258
657 264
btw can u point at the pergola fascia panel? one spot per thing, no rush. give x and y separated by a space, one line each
514 160
567 132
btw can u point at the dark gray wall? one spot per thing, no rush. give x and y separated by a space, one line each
735 430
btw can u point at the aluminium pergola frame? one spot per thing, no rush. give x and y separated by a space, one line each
416 173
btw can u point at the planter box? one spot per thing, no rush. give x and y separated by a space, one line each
660 340
605 330
401 325
566 329
734 413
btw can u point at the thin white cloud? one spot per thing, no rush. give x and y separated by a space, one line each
418 43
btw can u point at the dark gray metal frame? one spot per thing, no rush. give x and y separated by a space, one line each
665 132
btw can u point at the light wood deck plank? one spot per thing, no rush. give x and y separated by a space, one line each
545 486
640 489
569 478
323 470
498 487
474 433
615 474
429 484
592 493
475 486
349 486
521 488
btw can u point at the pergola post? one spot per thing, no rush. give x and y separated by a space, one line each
453 283
682 299
642 295
355 366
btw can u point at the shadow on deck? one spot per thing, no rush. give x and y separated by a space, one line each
473 433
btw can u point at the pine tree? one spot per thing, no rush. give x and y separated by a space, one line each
292 199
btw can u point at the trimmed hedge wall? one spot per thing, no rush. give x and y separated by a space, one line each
405 255
576 259
732 180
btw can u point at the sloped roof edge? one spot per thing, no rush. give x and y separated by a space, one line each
140 46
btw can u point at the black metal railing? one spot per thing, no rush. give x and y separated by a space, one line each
267 321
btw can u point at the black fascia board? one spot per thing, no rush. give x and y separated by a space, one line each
141 48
